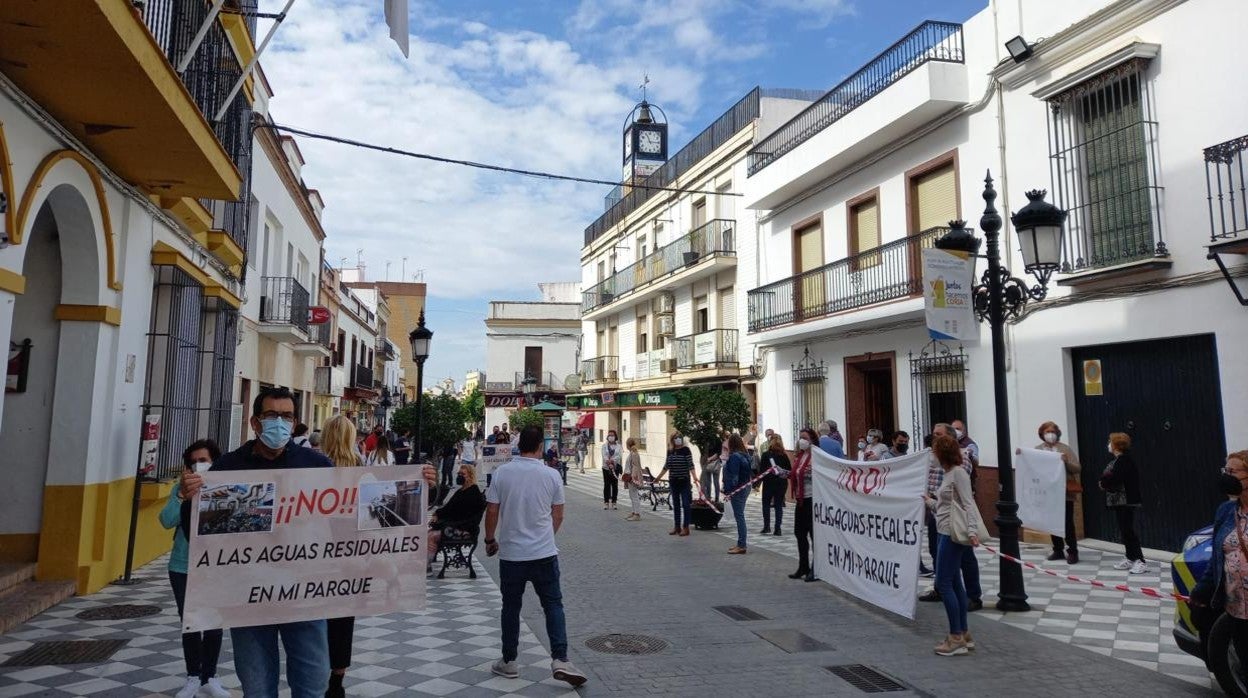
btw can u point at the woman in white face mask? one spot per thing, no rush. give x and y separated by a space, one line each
1051 440
679 467
801 493
612 467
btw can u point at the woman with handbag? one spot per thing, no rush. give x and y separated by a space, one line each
1051 440
957 526
1121 484
632 478
611 469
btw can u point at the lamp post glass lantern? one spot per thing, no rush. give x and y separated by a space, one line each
1000 296
422 341
529 386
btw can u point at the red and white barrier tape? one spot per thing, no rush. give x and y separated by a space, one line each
1143 591
730 495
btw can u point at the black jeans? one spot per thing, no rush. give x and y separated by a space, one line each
340 632
610 487
201 650
1070 542
804 529
448 471
931 536
773 498
1130 539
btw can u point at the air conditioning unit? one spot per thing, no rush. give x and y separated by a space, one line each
666 303
667 365
667 326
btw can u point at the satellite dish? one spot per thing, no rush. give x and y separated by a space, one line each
572 382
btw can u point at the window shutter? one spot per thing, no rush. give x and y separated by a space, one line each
935 195
810 248
867 225
727 309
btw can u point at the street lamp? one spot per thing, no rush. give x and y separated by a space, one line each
421 338
384 406
529 386
998 297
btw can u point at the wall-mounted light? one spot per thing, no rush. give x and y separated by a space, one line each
1019 49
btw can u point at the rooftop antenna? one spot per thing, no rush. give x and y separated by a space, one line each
342 264
403 270
387 270
644 82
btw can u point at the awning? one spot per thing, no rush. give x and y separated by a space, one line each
586 421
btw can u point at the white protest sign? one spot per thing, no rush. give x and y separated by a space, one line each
285 545
1040 479
947 294
868 519
492 456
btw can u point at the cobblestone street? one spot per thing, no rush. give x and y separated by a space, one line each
631 578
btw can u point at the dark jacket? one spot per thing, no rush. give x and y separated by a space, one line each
1210 589
463 510
246 458
1121 475
737 471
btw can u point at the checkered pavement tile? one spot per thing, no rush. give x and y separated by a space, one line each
445 650
1130 628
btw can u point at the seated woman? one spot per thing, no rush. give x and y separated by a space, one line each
463 510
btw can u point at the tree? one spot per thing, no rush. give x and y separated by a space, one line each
443 421
704 414
474 407
525 417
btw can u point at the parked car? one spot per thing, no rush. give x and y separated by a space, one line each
1216 649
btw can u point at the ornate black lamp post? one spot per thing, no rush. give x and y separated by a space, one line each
529 386
421 338
999 297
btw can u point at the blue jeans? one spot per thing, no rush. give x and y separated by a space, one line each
949 585
682 500
738 513
258 664
544 575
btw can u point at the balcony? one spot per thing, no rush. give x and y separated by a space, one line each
320 341
101 73
924 75
712 349
328 380
386 349
700 252
656 363
283 309
604 369
1228 207
362 377
545 380
890 272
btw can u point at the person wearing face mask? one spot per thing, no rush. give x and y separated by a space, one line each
900 446
679 471
612 467
801 493
199 649
1223 588
338 437
256 655
1051 440
1121 483
462 512
872 447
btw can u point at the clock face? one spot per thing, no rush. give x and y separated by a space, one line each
628 146
649 142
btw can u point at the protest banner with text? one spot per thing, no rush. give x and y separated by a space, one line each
1041 490
285 545
868 519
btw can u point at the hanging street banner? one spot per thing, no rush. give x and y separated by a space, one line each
1041 490
868 519
948 299
284 545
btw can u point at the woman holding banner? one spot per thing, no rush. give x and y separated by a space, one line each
958 526
802 492
338 443
1051 440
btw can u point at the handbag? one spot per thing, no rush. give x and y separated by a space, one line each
959 526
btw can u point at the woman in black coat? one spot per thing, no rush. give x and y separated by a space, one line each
775 462
463 510
1121 483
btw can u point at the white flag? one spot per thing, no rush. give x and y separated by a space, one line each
1040 486
396 19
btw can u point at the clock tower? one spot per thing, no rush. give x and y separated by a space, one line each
645 143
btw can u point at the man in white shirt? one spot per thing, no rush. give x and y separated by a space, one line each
525 507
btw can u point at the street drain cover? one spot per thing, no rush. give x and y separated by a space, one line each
740 613
619 643
121 611
792 641
57 652
866 679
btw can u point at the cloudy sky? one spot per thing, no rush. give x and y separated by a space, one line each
533 85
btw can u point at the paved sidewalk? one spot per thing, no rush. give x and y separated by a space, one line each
1131 628
446 650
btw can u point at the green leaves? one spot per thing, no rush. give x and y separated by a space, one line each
703 414
443 422
525 417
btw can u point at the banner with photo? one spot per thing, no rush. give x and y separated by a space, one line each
868 520
1040 478
285 545
492 456
948 289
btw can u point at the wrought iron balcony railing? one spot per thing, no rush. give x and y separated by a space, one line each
283 301
321 334
712 238
386 349
892 271
1228 189
600 370
362 377
930 41
706 349
545 380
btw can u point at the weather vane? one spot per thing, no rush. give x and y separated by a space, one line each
645 81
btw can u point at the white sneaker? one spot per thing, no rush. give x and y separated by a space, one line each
213 689
1138 567
1123 564
563 670
507 670
190 689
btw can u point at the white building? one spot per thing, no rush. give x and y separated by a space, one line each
849 192
530 338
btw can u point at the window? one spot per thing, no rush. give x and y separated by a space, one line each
699 213
727 202
340 349
1102 146
809 383
642 248
727 309
701 320
641 430
290 260
602 270
643 336
807 258
264 249
937 386
864 230
252 231
533 363
933 195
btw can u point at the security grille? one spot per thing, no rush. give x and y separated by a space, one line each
937 386
809 383
220 342
173 365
